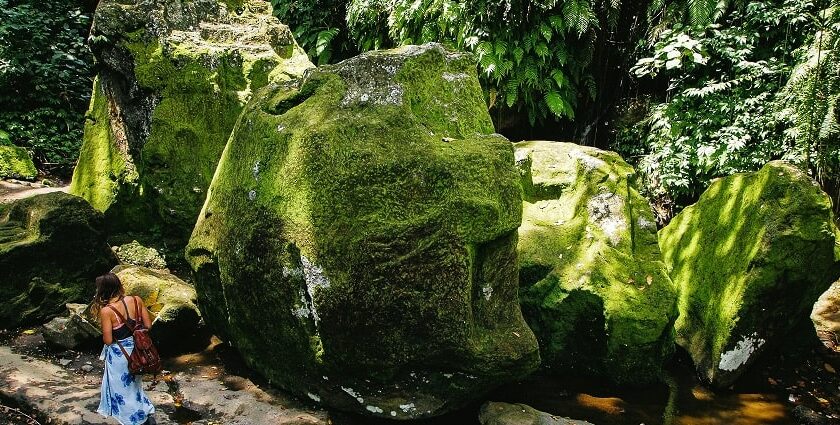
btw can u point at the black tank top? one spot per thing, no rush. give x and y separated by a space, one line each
124 331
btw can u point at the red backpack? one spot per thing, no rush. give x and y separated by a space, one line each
144 358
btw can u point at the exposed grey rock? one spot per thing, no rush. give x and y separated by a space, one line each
495 413
72 330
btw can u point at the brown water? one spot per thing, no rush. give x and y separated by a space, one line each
758 398
761 396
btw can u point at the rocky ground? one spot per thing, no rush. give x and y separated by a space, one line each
200 388
11 190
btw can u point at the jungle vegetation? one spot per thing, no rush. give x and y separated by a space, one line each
686 90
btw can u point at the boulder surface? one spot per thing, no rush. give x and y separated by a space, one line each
51 248
496 413
176 320
73 330
826 317
750 259
15 162
173 78
358 245
593 285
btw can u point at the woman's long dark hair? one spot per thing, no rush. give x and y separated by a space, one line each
107 286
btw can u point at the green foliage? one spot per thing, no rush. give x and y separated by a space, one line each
45 77
534 55
718 116
697 13
318 26
808 104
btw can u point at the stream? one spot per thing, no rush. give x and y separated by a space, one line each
766 395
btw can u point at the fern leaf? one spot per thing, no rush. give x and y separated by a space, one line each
517 54
483 48
545 30
541 49
559 78
557 23
555 104
500 47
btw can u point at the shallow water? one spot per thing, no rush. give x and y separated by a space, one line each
681 402
759 398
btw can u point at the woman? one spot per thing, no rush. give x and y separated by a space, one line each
122 393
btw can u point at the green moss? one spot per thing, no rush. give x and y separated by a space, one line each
103 166
388 252
51 248
196 82
138 255
750 258
594 287
15 161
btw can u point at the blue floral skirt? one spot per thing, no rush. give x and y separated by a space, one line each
122 393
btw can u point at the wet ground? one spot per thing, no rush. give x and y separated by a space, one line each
780 390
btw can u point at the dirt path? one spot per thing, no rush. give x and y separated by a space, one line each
12 190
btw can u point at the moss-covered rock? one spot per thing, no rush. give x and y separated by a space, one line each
15 162
176 320
749 259
174 78
358 245
593 286
51 248
826 317
135 254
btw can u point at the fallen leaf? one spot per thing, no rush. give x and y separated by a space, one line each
29 332
829 368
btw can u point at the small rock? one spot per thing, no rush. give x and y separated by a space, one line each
87 368
493 413
64 362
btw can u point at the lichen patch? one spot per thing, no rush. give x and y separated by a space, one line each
740 355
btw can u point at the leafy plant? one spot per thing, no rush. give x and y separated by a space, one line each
533 55
718 113
318 25
808 103
45 77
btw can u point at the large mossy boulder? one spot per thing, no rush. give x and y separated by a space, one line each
51 248
593 285
750 259
15 162
358 245
174 77
176 320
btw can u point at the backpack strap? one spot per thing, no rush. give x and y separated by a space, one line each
138 321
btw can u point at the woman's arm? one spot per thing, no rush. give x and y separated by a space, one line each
105 320
147 321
